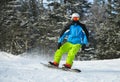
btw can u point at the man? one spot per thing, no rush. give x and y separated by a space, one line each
77 36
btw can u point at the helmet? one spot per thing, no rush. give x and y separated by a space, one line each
75 16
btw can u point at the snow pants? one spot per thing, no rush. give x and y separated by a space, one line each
69 48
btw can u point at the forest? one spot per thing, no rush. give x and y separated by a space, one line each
26 25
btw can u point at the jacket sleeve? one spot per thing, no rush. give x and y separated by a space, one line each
64 33
85 40
66 28
60 40
85 30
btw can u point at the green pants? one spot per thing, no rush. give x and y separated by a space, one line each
72 50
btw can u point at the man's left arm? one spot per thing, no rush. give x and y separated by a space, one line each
85 41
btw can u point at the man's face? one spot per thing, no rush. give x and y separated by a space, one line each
75 18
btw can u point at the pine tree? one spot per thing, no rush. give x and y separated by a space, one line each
17 33
109 34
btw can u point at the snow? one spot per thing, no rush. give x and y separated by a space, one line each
26 68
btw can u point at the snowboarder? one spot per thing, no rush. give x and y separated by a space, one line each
77 37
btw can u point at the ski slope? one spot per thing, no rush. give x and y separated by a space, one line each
28 69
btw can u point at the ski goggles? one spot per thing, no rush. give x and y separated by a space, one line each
76 18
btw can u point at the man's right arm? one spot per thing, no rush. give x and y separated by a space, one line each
62 33
65 29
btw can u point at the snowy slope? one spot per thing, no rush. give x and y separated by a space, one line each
29 69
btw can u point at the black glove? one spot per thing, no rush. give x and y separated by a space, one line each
59 45
83 47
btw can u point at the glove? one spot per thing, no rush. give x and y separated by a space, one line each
59 45
83 47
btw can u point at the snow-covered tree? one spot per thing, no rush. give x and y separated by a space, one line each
108 38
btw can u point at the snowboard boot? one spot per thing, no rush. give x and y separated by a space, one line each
55 64
67 66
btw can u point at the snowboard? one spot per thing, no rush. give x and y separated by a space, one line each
61 68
